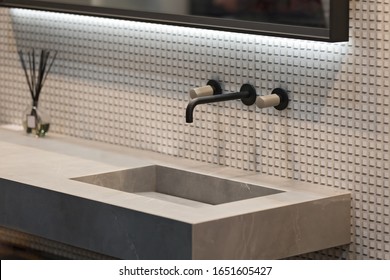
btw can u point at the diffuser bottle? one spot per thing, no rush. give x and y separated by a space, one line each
35 121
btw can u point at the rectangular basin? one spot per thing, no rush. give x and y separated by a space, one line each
177 186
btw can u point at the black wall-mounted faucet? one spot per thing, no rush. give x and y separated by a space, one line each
247 94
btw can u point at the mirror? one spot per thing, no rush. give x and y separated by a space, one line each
321 20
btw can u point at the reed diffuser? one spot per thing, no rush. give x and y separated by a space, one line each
34 120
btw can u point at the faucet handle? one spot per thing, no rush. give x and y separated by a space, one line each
267 101
278 99
201 91
213 87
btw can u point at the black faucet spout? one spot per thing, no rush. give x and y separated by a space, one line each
247 94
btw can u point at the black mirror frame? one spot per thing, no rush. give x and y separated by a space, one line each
338 30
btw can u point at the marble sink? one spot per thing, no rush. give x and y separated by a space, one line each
132 204
177 186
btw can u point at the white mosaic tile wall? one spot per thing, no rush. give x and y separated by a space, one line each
126 83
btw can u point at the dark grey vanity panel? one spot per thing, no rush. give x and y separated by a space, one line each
99 227
323 20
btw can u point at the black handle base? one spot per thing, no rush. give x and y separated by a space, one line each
283 95
217 89
251 98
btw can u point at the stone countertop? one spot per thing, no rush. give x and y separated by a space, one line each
43 168
49 163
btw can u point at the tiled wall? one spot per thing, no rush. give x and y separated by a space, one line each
126 83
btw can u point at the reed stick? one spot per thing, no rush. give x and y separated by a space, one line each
36 75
